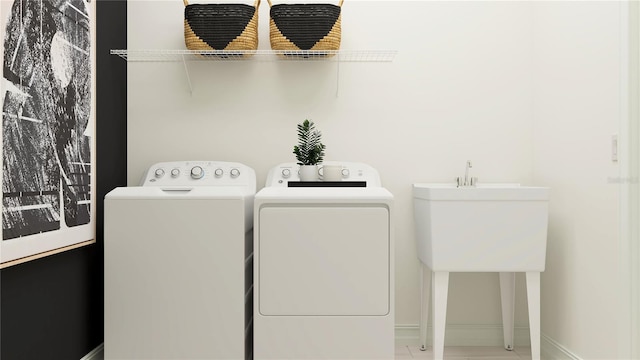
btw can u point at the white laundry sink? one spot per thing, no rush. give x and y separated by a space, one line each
487 228
483 228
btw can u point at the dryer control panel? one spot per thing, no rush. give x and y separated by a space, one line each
284 173
199 173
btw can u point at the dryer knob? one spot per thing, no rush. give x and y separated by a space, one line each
345 173
286 173
218 172
235 173
197 172
159 173
175 172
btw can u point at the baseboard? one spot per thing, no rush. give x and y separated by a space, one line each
463 335
457 335
552 350
95 354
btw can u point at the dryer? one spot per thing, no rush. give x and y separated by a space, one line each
324 266
178 263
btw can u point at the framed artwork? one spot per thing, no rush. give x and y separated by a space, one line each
48 124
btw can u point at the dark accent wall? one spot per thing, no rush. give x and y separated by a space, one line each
52 308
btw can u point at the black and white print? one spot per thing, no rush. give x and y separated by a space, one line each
46 118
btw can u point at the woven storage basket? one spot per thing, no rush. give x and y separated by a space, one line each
305 26
221 26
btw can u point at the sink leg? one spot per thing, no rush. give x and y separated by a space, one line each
425 297
440 284
508 299
533 299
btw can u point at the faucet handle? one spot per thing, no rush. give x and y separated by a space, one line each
474 181
459 181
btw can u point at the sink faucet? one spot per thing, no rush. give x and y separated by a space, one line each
467 181
466 173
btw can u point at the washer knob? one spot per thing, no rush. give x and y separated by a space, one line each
218 172
197 172
235 173
159 173
345 173
286 173
175 172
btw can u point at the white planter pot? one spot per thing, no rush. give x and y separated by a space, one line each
308 173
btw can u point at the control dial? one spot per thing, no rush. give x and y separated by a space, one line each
159 173
235 173
345 173
218 172
286 173
197 172
175 172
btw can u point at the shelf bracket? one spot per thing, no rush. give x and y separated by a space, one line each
186 70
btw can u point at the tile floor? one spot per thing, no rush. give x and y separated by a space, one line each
465 352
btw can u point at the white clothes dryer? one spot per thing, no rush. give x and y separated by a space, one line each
324 266
178 263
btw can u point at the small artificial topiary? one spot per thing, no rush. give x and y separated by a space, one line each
310 149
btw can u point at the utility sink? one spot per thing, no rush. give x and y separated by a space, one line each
486 228
483 228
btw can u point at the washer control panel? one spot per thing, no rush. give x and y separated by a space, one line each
199 173
351 171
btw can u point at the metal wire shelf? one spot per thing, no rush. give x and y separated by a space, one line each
255 55
187 56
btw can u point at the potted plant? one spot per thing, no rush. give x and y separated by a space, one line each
309 151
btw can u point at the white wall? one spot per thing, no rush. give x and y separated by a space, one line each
459 89
528 91
578 61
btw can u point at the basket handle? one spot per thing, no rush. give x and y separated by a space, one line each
186 2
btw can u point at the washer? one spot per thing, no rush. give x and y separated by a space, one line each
178 263
324 266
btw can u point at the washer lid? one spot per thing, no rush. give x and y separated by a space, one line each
178 192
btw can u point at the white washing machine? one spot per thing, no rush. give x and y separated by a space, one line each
178 263
324 267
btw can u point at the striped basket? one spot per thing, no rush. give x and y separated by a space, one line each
226 27
314 27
